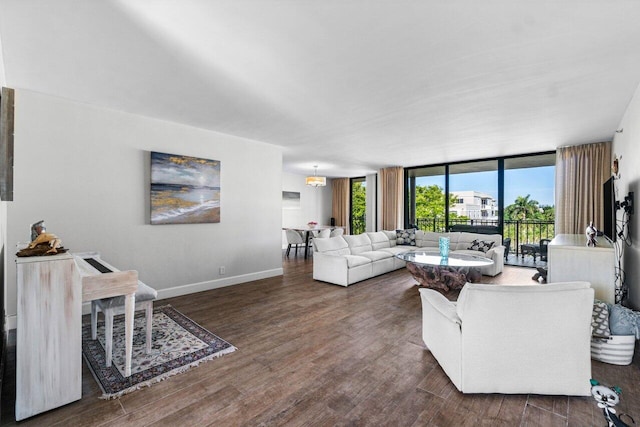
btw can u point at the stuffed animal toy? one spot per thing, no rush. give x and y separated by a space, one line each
607 398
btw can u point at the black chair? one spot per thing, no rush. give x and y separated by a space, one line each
544 244
507 246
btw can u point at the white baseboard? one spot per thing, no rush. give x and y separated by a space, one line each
12 321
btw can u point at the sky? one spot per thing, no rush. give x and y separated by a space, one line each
538 182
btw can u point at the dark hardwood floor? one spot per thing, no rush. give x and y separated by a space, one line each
316 354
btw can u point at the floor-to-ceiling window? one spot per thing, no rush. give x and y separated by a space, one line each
358 205
529 199
473 193
425 190
515 194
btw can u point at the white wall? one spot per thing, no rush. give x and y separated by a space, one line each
627 144
315 203
85 171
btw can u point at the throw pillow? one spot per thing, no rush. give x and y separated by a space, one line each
406 237
481 245
600 319
624 321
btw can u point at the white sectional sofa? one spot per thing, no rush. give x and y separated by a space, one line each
344 260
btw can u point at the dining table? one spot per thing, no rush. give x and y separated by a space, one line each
308 232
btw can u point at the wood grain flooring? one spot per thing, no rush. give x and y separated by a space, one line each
316 354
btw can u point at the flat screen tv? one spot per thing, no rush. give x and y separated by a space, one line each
609 207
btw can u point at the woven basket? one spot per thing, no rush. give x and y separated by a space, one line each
615 349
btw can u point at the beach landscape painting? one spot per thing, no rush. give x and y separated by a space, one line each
184 190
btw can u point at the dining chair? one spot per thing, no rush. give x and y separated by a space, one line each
293 239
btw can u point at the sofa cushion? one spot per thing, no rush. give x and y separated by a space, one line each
395 250
429 239
332 245
358 243
376 255
356 260
379 240
481 245
392 236
406 237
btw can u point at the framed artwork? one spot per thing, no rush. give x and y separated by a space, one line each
290 200
184 190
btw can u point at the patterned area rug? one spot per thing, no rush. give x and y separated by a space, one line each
178 344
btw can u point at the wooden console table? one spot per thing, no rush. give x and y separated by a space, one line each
569 258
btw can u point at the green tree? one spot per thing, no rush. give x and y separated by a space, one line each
523 208
547 213
430 202
358 205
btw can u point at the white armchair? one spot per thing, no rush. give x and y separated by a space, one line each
514 339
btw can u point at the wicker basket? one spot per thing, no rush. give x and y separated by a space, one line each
615 349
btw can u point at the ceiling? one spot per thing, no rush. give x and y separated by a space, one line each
350 86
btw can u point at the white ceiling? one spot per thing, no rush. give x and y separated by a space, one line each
348 85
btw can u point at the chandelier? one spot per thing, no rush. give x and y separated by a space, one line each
315 180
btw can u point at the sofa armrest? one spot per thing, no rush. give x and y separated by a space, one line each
330 268
440 304
442 333
497 256
496 251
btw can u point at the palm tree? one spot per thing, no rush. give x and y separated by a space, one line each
522 208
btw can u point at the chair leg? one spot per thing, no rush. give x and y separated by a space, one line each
94 320
296 249
108 336
149 317
288 249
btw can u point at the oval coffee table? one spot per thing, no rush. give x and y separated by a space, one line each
444 274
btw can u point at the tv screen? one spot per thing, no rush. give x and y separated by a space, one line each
609 206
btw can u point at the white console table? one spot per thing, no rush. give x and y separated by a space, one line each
569 258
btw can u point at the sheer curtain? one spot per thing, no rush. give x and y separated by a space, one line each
340 202
391 187
580 172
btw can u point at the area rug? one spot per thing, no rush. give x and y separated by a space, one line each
178 345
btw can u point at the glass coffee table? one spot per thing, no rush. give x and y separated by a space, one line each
444 274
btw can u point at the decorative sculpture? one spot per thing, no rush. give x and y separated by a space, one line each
607 398
42 243
591 235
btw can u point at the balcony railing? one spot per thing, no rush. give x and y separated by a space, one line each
520 232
